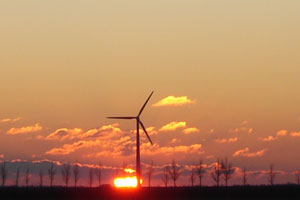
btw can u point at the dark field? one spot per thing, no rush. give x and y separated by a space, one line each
235 192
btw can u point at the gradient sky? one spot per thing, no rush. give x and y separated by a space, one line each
69 64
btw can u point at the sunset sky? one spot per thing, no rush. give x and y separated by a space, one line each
225 75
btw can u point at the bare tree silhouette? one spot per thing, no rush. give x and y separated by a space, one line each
298 177
227 170
17 176
272 174
91 176
76 172
27 176
165 176
51 173
65 173
174 172
98 172
3 172
217 172
149 173
41 175
200 171
245 176
193 176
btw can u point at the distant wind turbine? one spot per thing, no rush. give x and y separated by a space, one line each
138 123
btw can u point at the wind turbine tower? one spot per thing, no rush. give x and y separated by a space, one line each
138 123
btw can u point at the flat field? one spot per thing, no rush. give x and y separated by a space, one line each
107 192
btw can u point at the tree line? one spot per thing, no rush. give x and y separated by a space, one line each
221 170
66 172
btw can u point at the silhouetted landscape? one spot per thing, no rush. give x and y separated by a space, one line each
133 99
108 192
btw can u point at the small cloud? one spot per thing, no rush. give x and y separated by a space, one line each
281 133
70 148
150 130
250 131
64 133
25 129
10 120
190 130
241 152
229 140
173 101
212 130
295 134
172 126
245 153
1 156
269 138
155 149
105 130
175 141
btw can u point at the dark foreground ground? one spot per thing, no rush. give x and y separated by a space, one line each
107 192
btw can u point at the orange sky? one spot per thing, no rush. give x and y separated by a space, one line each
229 71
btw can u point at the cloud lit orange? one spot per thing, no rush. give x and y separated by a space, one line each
25 129
173 101
281 133
69 148
172 126
10 120
229 140
295 134
190 130
64 133
245 153
269 138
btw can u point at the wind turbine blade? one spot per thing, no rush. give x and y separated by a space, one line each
146 132
121 117
145 104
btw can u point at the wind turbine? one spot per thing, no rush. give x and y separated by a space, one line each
138 123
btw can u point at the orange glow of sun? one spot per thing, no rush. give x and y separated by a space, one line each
127 181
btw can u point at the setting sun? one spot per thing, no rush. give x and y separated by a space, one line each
127 181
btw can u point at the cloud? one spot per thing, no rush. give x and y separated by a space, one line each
150 130
250 131
172 126
243 127
173 101
64 133
229 140
269 138
104 131
1 156
281 133
190 130
10 120
25 129
77 133
70 148
295 134
155 149
175 141
245 153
